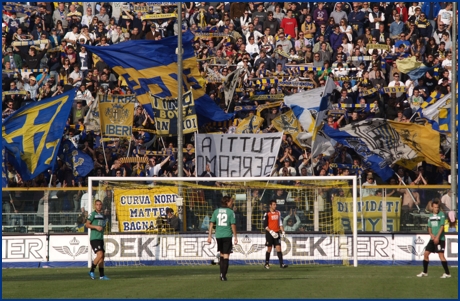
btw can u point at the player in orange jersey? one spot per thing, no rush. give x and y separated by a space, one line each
274 230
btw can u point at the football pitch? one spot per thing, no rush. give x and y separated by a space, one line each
250 281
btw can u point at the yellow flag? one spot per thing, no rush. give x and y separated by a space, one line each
422 139
288 124
116 115
250 124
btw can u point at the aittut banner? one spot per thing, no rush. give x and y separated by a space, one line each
237 155
371 209
142 210
116 114
166 113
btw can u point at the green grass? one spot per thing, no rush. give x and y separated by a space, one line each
192 282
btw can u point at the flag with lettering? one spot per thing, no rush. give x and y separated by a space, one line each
151 67
116 115
33 133
166 114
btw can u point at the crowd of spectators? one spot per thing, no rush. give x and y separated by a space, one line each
265 39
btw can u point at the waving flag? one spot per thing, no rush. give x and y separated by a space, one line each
382 143
432 111
78 161
288 124
249 125
151 67
444 118
33 133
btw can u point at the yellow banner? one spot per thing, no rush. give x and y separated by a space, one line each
399 89
29 43
141 210
267 97
158 16
211 34
116 115
378 46
371 208
267 105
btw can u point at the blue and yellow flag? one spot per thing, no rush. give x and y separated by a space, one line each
33 133
151 67
444 118
79 162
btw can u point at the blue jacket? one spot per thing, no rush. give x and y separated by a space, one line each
335 40
426 9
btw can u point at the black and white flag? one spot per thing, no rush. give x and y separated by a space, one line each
230 84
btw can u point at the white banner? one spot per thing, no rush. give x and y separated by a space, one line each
69 247
237 155
69 250
30 248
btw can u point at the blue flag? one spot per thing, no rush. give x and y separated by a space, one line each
151 67
419 72
78 161
33 133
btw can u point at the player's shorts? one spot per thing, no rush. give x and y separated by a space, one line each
97 245
270 241
439 248
224 245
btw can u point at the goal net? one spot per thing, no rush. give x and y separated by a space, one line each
139 231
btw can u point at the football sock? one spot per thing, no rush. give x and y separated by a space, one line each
222 266
226 262
425 266
280 257
267 257
93 266
446 268
101 272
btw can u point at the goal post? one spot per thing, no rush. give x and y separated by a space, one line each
137 232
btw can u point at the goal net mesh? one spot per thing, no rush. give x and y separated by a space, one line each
138 230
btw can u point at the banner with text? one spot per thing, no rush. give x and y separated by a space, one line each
371 207
166 113
237 155
116 114
142 210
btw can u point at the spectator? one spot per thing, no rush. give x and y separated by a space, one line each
288 221
172 220
290 26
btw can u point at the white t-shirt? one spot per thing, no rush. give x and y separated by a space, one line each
71 36
446 16
84 202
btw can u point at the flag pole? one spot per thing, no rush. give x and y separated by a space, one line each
179 52
180 132
453 111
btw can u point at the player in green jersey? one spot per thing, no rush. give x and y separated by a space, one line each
437 241
224 219
96 222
